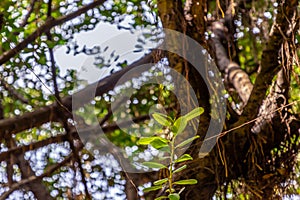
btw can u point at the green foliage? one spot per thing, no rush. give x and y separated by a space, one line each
175 127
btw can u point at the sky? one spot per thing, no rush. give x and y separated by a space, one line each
121 41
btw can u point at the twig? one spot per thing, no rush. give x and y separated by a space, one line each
31 8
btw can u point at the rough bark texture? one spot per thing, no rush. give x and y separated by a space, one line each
238 150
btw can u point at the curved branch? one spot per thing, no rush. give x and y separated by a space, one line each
235 76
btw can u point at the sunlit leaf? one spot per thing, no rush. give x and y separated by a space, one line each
159 143
186 182
182 144
180 169
174 196
183 158
145 140
179 125
194 113
161 181
162 119
152 188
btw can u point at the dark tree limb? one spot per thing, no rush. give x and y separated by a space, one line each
48 113
233 73
87 130
285 18
278 97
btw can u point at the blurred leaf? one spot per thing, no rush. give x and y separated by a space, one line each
194 113
180 169
186 182
182 144
161 197
152 188
159 143
179 125
154 165
161 181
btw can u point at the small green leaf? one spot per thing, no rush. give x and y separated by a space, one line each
166 149
174 196
162 119
162 197
43 60
152 188
172 190
183 158
154 165
186 182
50 44
145 140
194 113
180 125
187 141
159 143
180 169
161 181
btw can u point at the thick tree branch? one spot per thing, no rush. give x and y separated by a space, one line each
170 12
220 164
270 65
48 113
87 131
276 98
234 75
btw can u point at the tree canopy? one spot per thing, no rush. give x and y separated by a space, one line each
136 132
